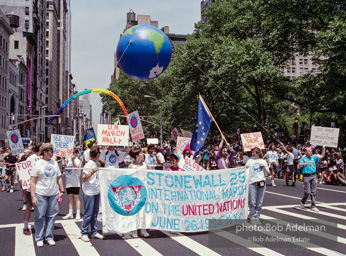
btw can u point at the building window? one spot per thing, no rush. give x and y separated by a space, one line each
301 70
305 61
47 33
27 24
288 70
16 44
293 70
27 10
300 61
306 71
293 62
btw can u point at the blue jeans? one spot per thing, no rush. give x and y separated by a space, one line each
47 209
91 206
256 195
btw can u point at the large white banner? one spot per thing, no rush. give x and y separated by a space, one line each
175 201
324 136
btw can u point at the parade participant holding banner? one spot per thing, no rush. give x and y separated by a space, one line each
273 162
44 187
223 159
138 163
258 169
111 158
91 195
73 184
151 157
174 160
308 165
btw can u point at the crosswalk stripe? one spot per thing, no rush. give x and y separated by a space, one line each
247 244
321 234
73 232
333 190
191 244
24 245
332 208
294 205
301 216
142 247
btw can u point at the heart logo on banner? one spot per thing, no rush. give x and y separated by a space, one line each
14 138
133 122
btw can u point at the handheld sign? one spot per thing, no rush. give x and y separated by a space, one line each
175 134
62 145
182 144
154 141
186 133
113 135
15 141
324 136
252 140
135 125
23 169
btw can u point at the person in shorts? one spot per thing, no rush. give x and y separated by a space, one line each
11 161
73 184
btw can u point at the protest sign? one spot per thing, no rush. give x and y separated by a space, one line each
154 141
175 134
173 201
182 144
112 135
324 136
15 141
62 145
135 125
24 168
186 133
191 165
252 140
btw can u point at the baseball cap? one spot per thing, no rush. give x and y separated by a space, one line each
176 155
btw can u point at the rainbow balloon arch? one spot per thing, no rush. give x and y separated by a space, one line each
112 94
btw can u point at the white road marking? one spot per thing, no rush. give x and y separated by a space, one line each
142 247
24 245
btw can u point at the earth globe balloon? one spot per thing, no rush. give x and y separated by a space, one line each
143 52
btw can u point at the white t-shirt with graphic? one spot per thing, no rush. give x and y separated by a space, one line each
47 173
256 172
111 159
150 160
272 157
91 187
73 176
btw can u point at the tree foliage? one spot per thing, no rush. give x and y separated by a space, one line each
234 62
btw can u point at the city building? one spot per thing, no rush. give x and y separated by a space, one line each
205 4
5 32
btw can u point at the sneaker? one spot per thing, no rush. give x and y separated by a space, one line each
68 216
85 238
26 232
273 184
293 184
24 207
51 242
39 244
3 189
11 190
97 236
287 183
300 207
125 236
134 234
145 233
314 209
78 217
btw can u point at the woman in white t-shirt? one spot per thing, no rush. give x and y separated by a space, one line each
44 188
257 168
73 184
91 195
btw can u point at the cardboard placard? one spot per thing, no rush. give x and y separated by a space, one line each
112 135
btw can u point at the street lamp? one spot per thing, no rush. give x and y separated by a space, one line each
149 96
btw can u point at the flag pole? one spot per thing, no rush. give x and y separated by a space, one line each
206 106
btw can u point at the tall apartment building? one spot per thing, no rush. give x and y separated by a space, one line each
28 42
5 33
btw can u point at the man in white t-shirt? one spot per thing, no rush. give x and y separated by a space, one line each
272 159
111 157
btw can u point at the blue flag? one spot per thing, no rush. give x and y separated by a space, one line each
89 137
201 128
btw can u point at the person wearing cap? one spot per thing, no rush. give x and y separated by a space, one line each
174 160
45 184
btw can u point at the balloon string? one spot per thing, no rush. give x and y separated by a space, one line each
223 92
124 52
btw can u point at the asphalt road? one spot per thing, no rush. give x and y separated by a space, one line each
278 204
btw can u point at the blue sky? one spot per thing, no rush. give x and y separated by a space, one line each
97 25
